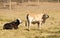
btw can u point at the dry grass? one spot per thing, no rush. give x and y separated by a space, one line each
51 29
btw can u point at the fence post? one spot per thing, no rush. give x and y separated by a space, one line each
58 1
38 1
28 1
10 5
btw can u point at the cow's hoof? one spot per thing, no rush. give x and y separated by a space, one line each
27 29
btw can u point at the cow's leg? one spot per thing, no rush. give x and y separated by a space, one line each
39 25
27 23
15 27
28 26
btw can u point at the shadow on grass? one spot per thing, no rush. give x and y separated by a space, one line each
32 29
53 36
39 30
53 31
27 29
39 37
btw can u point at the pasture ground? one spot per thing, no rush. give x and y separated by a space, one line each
51 29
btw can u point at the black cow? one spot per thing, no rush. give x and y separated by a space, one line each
12 25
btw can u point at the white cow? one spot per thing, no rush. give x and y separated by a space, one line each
36 18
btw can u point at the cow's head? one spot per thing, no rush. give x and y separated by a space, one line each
45 16
18 21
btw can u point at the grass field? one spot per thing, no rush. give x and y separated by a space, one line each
51 29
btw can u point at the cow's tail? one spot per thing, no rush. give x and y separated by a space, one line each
27 16
27 19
